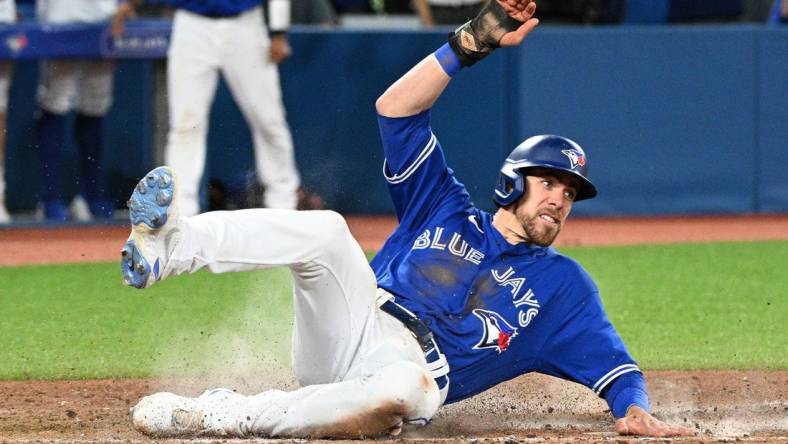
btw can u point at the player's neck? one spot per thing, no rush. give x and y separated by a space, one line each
510 228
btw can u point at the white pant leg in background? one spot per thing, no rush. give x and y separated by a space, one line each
57 85
7 15
254 82
84 83
94 87
6 71
192 76
363 371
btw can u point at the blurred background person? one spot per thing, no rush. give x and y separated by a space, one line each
779 12
582 11
210 37
312 12
7 15
447 12
86 87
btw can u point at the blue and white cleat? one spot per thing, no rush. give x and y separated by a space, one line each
154 221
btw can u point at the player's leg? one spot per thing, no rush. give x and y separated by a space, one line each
254 82
56 90
372 404
388 385
334 288
6 69
192 76
93 102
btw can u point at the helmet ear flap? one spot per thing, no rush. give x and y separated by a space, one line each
510 187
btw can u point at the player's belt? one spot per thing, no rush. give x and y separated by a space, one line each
436 361
220 15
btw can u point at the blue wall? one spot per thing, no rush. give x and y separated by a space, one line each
678 120
667 116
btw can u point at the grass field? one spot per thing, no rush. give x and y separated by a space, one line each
698 306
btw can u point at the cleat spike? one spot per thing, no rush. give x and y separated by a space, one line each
141 187
163 198
140 268
151 179
164 180
124 253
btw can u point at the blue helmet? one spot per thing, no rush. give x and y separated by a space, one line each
545 151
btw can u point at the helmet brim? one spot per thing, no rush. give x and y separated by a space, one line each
585 189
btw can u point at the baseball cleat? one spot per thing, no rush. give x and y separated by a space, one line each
167 415
154 220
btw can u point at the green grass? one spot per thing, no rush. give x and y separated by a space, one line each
697 306
677 306
78 321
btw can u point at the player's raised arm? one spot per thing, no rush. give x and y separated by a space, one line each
500 23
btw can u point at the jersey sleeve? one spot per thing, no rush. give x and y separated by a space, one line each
415 168
584 346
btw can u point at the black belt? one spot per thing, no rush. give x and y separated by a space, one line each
424 337
221 15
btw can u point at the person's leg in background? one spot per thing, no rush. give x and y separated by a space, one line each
254 82
56 89
6 70
192 76
94 100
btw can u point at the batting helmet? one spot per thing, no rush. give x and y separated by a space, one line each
546 151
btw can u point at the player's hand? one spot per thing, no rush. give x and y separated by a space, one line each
640 422
125 11
521 10
280 48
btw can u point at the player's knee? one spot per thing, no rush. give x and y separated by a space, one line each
55 104
334 227
400 393
410 390
95 106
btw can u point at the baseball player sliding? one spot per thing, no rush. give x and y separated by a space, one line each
457 301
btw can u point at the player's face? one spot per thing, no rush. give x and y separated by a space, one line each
546 205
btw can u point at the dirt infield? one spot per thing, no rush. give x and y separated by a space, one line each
719 405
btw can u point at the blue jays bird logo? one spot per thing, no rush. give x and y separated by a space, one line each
497 332
575 158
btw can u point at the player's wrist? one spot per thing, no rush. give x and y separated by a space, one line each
627 399
478 38
448 60
624 392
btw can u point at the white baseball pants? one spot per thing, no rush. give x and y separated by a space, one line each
6 70
362 371
82 84
238 47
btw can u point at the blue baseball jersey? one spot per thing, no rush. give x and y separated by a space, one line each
216 7
497 310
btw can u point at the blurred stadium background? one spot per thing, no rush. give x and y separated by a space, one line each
680 103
